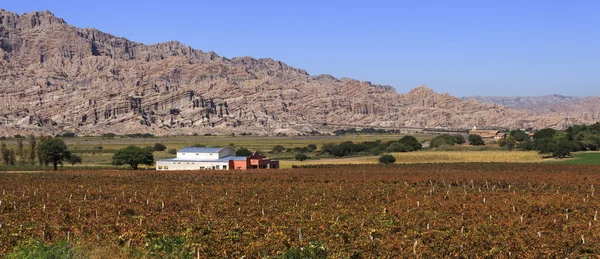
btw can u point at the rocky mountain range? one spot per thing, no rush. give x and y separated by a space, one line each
57 78
544 104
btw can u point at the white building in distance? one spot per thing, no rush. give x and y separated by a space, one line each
192 158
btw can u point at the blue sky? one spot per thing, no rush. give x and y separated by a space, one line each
509 48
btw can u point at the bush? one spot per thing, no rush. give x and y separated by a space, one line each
37 249
443 140
411 142
169 247
109 135
301 157
476 140
278 149
544 133
159 147
312 147
74 159
398 147
527 145
172 151
460 139
387 159
314 250
243 152
66 135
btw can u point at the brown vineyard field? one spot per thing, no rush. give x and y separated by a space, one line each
475 210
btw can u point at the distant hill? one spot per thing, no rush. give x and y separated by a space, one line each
546 104
57 78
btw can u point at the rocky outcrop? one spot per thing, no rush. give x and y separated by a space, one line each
58 78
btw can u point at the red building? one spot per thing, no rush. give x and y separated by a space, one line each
255 161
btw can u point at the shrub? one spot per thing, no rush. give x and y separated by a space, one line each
159 147
243 152
527 145
387 159
169 247
74 159
38 249
460 139
109 135
314 250
172 151
301 157
443 140
278 149
476 140
411 142
398 147
312 147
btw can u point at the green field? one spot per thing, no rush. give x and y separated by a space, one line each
99 151
588 158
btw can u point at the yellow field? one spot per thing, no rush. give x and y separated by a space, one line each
433 157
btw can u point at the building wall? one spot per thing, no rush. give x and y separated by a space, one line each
226 152
163 165
238 164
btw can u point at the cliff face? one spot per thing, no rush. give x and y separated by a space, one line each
58 78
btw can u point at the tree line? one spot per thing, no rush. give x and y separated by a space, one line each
558 144
41 151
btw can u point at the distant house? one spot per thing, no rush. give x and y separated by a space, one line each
487 134
191 158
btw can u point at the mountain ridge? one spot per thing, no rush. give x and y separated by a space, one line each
55 78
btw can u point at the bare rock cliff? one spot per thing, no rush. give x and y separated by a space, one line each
58 78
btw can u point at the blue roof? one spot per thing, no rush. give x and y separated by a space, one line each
224 159
200 150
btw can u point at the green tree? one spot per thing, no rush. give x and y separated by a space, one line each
510 143
460 139
8 155
20 151
387 159
443 140
312 147
133 156
519 135
39 150
32 149
159 147
527 145
172 151
301 157
243 152
398 147
476 140
544 133
502 142
74 159
54 151
412 142
277 149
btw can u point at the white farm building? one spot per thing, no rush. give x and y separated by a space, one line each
191 158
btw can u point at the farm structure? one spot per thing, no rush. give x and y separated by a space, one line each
191 158
488 134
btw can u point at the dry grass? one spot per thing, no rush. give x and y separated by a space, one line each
433 157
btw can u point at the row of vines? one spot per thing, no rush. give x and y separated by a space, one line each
370 211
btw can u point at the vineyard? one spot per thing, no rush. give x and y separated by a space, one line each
475 210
